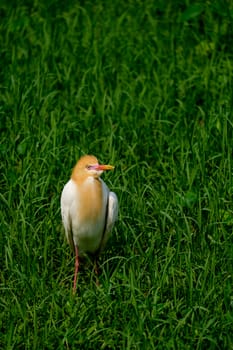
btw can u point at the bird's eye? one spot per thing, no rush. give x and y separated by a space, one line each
88 167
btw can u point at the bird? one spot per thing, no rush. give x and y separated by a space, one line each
89 209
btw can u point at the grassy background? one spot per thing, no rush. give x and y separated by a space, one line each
146 86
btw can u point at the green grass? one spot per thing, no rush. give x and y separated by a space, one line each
146 86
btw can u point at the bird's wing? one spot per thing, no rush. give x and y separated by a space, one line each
68 227
111 217
66 200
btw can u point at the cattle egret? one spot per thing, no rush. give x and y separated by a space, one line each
88 208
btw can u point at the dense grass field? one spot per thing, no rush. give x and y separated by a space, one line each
146 86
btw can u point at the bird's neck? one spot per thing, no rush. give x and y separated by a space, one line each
79 178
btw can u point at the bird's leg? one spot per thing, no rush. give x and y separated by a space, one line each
96 269
76 268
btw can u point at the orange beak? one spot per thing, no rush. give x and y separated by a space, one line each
104 167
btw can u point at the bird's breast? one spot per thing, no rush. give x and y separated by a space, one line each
91 201
89 222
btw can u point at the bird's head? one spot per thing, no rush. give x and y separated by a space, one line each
89 166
